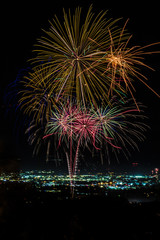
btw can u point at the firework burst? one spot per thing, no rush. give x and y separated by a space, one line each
74 53
111 127
123 65
35 96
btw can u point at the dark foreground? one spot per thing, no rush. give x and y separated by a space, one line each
28 214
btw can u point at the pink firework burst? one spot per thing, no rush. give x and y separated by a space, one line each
85 127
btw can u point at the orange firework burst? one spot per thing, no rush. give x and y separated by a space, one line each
123 65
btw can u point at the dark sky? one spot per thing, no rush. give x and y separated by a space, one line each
21 26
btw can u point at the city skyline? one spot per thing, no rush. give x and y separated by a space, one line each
62 186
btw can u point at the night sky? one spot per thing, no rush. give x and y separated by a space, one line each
21 26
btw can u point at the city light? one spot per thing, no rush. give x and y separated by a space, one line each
48 181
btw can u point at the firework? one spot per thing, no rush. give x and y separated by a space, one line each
123 65
35 96
74 53
113 127
120 125
60 123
